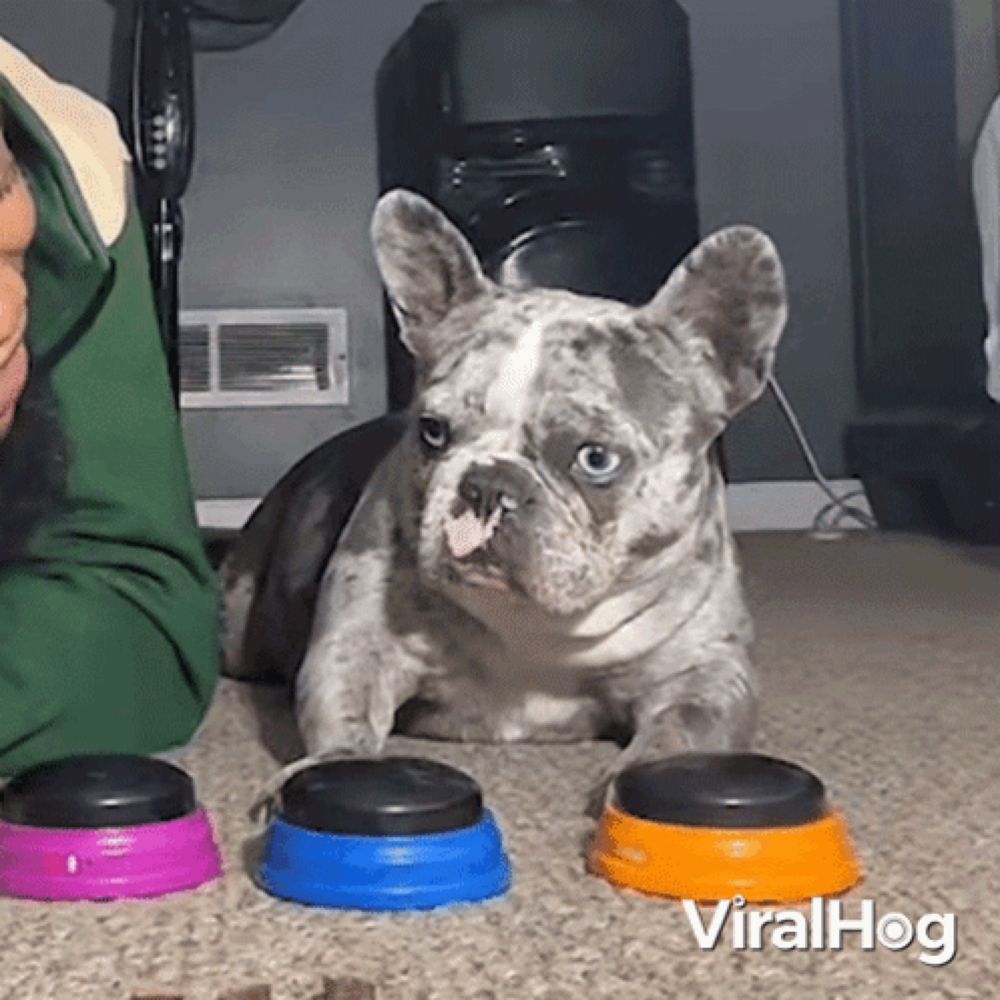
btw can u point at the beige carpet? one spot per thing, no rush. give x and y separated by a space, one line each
882 664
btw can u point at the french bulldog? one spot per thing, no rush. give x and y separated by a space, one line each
543 552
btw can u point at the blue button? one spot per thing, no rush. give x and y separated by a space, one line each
416 872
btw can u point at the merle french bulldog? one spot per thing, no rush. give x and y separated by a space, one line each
542 553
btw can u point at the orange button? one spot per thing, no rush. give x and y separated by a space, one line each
765 865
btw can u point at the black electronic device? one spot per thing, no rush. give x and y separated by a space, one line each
162 119
557 136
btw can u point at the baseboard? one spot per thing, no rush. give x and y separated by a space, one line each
788 505
225 514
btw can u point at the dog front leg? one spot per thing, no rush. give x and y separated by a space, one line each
711 706
347 695
348 692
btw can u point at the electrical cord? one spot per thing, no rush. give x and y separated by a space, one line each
828 520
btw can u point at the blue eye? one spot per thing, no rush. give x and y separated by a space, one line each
434 432
600 465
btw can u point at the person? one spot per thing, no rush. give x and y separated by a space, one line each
108 607
986 195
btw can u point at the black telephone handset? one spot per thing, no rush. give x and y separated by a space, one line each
162 115
163 96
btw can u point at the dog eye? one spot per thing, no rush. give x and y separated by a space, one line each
598 464
434 432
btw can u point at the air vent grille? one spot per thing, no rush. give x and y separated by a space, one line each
263 358
194 348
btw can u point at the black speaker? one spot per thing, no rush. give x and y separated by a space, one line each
556 134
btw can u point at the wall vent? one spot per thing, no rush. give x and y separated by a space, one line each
233 358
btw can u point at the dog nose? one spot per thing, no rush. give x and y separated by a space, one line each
488 487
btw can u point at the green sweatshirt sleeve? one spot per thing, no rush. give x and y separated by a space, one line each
109 627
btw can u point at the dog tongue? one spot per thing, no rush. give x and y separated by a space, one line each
467 533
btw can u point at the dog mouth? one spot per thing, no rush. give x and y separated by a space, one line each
479 574
472 560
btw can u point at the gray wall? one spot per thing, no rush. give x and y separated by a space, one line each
285 179
769 137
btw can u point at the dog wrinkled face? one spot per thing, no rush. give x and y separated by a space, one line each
562 442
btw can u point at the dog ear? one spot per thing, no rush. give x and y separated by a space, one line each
725 307
427 265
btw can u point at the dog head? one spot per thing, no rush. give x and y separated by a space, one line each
561 444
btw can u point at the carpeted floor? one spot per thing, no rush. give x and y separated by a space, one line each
881 658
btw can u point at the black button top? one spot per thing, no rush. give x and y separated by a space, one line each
392 796
721 790
98 790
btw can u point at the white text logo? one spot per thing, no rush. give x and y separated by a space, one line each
825 926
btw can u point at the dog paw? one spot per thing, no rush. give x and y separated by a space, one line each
600 794
265 803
